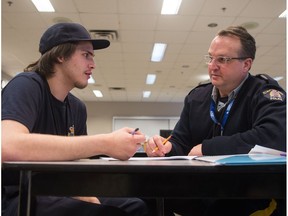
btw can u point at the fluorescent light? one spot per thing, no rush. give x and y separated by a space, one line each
91 80
4 82
278 78
150 79
43 5
158 52
283 15
98 93
146 94
170 6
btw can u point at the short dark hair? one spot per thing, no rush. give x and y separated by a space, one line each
247 41
45 65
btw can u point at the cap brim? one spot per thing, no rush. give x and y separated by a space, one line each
100 44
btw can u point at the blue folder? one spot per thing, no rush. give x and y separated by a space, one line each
252 159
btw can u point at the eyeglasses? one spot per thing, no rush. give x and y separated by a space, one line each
221 59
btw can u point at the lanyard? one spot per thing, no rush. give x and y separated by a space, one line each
225 117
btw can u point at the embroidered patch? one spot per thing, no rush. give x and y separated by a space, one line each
71 131
273 94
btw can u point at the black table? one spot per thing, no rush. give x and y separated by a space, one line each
148 179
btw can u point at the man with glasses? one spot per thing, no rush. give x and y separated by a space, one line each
228 116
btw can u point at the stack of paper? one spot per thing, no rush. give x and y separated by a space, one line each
257 155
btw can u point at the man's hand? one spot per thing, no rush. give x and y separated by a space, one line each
88 199
155 147
196 151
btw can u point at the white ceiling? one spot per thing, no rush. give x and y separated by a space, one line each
139 25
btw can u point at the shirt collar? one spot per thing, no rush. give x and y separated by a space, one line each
233 94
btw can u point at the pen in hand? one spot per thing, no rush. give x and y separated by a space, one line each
164 142
133 132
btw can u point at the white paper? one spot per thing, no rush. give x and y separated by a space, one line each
214 158
154 158
264 150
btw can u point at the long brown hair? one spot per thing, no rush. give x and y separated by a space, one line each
45 64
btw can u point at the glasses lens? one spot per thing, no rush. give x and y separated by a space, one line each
221 60
208 59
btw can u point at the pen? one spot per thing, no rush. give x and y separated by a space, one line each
133 132
164 142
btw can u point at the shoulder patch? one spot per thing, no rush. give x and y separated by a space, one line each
273 94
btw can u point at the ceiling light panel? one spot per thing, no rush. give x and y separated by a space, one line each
278 78
150 79
91 80
283 15
158 52
170 7
43 5
98 93
146 94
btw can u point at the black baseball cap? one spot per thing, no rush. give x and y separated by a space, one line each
61 33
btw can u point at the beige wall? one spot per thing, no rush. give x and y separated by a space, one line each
100 114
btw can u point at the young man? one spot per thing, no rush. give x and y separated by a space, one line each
42 121
231 114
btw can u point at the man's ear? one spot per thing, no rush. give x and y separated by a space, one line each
60 59
248 64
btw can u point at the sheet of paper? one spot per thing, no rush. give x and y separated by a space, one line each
264 150
154 158
214 158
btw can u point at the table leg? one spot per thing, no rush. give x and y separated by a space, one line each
160 206
24 193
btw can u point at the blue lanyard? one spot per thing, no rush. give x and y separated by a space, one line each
225 117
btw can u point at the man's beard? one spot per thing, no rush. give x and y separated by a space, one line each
81 85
